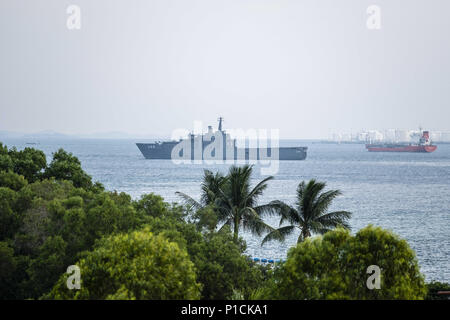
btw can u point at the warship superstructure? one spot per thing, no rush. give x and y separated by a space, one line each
196 146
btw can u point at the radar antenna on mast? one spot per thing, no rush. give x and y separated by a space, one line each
220 123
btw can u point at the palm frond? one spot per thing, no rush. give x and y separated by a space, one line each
272 208
210 185
252 222
287 213
310 195
279 234
228 222
335 219
224 205
323 202
188 200
257 191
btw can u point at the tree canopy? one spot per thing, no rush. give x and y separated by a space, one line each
335 266
220 263
137 265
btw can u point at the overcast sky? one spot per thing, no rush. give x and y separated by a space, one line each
308 68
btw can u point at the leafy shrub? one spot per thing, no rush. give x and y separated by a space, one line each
138 265
335 267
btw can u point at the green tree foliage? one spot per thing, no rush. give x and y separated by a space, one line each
32 165
434 288
138 265
104 216
9 218
49 222
222 267
65 166
152 205
335 267
220 264
45 269
11 180
8 266
211 185
48 216
235 202
205 219
6 163
29 163
309 214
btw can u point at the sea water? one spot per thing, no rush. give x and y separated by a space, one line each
408 193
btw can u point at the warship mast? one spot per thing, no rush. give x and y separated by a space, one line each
220 123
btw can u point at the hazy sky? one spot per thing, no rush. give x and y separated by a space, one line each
308 68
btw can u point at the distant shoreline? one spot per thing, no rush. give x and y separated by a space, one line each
363 142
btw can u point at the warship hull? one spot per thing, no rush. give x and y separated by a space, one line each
163 151
204 147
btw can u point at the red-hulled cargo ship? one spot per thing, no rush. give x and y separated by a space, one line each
425 145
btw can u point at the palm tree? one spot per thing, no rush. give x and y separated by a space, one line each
310 213
210 189
233 199
237 202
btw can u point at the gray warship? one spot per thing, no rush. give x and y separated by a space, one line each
228 149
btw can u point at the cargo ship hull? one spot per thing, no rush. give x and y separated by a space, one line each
400 148
425 145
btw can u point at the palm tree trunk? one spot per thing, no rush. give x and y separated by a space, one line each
236 227
303 235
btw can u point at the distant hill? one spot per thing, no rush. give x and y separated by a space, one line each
46 135
53 135
9 134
